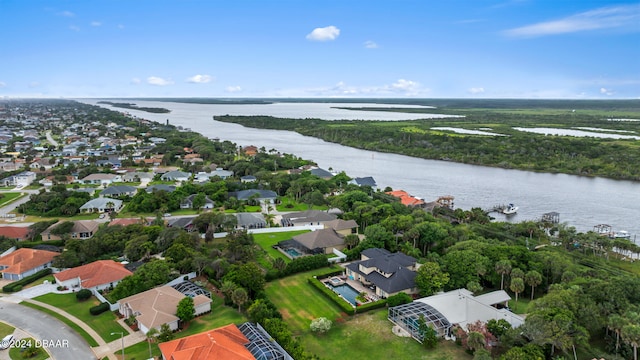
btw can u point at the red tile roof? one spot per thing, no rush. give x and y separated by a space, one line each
24 259
14 232
96 273
225 342
405 198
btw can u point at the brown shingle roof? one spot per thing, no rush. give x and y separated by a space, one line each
96 273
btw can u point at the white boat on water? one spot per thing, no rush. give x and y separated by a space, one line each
510 209
622 234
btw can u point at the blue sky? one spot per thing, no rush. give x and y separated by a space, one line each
296 48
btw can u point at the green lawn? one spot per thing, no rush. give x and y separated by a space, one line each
288 204
15 353
362 336
219 316
67 322
369 336
5 329
266 241
9 197
104 324
299 302
41 281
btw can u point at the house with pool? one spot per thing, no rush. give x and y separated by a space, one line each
384 272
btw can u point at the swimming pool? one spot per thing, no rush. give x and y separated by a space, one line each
347 292
292 252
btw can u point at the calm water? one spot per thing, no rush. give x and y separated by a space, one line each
582 202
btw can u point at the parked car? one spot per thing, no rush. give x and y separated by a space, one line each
166 214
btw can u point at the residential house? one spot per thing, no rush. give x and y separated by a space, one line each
56 179
137 176
364 181
101 179
250 220
309 217
247 341
389 273
316 242
176 176
248 179
255 194
98 275
82 229
406 199
24 178
185 223
158 306
130 221
24 262
342 227
456 307
44 163
119 190
203 177
101 205
187 203
321 173
250 150
15 232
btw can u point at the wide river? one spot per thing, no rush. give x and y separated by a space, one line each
581 201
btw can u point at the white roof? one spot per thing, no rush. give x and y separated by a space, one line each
494 297
101 203
461 307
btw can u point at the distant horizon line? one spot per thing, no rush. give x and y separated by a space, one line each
9 97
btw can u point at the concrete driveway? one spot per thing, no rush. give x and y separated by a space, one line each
62 342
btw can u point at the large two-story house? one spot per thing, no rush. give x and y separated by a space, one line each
389 273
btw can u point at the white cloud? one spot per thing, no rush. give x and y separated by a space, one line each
324 34
601 18
370 44
120 26
200 79
2 84
96 23
74 28
606 91
158 81
405 85
136 81
476 90
66 13
233 89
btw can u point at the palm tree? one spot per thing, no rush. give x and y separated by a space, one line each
631 335
533 279
503 267
279 264
239 296
517 285
476 340
151 335
616 323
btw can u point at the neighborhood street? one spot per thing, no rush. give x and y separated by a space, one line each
68 345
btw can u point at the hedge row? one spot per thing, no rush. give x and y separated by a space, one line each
345 306
99 309
17 285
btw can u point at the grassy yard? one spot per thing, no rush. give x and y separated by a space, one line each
5 329
288 204
16 353
9 197
104 324
41 281
299 302
220 315
363 336
266 241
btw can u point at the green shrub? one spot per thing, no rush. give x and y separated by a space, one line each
399 299
99 309
83 294
306 263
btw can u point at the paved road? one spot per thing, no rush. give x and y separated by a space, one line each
45 327
50 139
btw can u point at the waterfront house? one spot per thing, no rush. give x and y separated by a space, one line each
389 273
